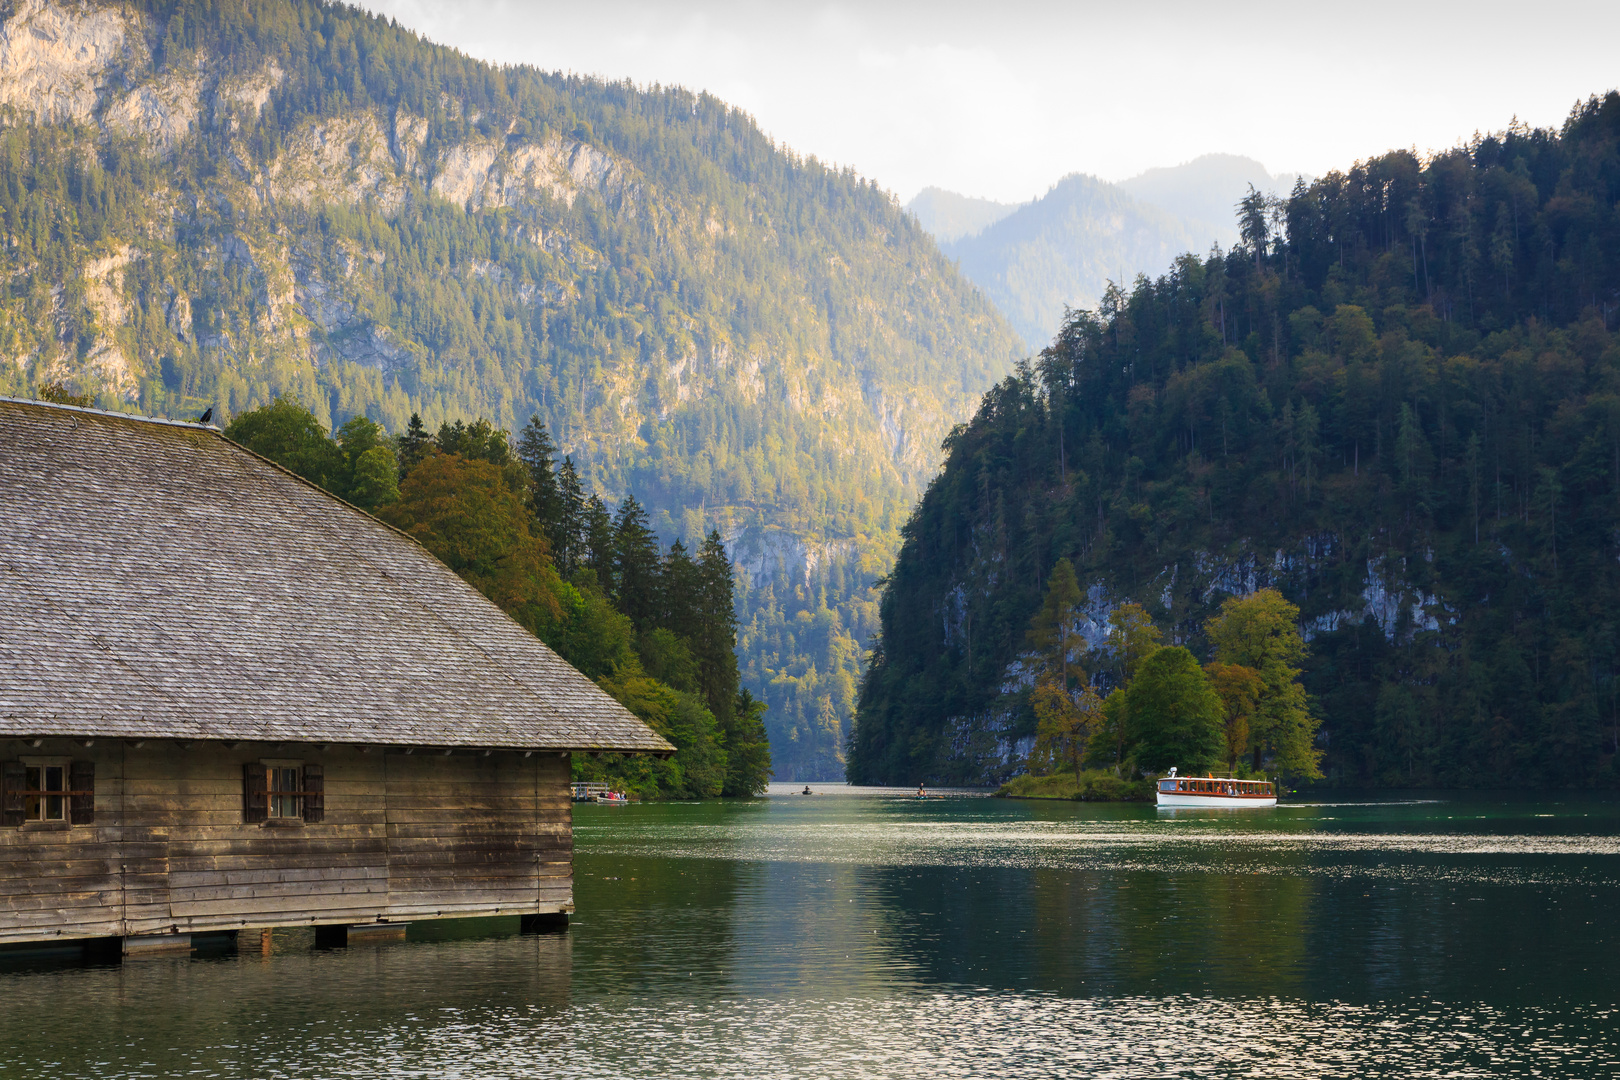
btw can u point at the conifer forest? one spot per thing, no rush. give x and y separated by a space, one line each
1396 402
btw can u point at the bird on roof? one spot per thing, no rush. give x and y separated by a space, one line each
207 416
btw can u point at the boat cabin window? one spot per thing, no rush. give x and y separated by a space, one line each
1206 785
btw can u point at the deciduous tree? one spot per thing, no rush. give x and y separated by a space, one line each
1261 632
1239 688
1176 718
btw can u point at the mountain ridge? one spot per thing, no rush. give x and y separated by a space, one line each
1062 250
218 205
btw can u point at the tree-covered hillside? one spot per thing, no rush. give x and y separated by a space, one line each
218 203
1398 402
1062 249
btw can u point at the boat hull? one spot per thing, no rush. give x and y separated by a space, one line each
1239 801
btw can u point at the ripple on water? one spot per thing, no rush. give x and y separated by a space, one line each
982 1035
1157 846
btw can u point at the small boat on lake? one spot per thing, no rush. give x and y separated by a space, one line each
599 793
1176 790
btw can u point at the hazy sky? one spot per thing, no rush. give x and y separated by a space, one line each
1001 99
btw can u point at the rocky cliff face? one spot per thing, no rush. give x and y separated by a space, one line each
988 746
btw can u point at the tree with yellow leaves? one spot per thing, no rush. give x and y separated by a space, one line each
1066 708
1261 632
1239 689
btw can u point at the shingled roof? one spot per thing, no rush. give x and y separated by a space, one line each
159 581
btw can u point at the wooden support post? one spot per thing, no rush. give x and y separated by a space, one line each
139 948
377 933
338 937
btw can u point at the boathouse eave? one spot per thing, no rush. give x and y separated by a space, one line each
36 734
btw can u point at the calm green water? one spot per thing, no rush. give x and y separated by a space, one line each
872 935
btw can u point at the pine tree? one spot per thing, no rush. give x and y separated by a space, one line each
1053 632
568 539
748 751
414 445
534 450
714 644
598 555
678 609
477 441
1066 714
636 565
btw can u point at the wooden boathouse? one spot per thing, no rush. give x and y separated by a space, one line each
231 701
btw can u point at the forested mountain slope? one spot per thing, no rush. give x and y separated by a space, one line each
947 216
1060 251
1398 401
1203 192
214 204
1063 249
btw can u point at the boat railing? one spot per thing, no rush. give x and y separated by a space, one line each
1215 785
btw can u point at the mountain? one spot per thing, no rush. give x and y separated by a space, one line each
1402 410
1061 250
947 216
1205 191
216 204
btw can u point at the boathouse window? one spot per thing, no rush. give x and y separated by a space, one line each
41 780
47 790
283 792
286 793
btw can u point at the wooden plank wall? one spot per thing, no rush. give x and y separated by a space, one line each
405 836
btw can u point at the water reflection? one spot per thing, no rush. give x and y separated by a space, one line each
885 937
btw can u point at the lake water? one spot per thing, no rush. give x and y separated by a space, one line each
869 934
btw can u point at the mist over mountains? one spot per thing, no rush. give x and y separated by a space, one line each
1061 250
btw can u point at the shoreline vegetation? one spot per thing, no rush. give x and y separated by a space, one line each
655 628
1093 785
1245 710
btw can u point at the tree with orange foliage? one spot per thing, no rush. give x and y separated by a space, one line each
1239 688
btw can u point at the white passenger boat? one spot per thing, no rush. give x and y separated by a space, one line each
1214 791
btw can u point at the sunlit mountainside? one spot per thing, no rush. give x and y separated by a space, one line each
212 205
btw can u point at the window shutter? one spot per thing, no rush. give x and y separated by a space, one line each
82 808
314 793
13 804
256 805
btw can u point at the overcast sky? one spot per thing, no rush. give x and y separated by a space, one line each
1001 99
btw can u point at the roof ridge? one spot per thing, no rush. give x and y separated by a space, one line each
138 417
